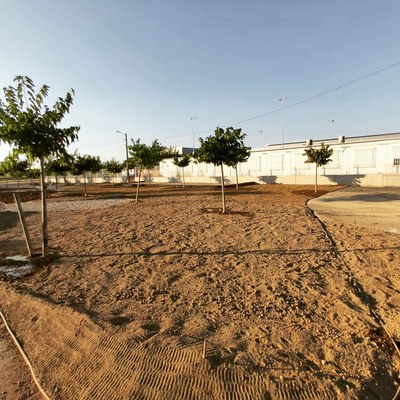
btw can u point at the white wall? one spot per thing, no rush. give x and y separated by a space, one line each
364 161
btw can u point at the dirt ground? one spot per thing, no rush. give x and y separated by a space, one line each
167 298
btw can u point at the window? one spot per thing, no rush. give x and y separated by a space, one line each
365 157
396 155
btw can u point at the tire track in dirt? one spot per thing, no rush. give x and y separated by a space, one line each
290 391
80 360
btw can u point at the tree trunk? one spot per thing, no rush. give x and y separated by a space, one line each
84 182
183 176
138 185
56 183
237 178
223 189
45 238
316 177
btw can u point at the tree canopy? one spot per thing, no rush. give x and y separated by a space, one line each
59 165
86 163
318 156
224 147
113 166
146 157
30 126
15 166
182 162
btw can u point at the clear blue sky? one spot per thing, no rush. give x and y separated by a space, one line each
146 67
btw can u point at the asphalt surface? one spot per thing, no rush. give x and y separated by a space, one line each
377 208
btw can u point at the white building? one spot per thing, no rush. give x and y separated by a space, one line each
372 160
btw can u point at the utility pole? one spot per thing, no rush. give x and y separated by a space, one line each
126 152
283 120
192 119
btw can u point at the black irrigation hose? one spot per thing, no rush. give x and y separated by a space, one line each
25 357
359 291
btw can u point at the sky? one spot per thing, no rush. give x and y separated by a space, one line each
148 67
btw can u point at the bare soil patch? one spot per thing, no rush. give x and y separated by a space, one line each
135 291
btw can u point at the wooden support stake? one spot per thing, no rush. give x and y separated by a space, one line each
23 223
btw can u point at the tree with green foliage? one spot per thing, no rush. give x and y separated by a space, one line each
146 157
319 157
32 128
13 166
114 166
58 166
83 164
182 162
33 173
224 147
238 151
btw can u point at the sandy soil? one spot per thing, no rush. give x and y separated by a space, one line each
16 382
169 299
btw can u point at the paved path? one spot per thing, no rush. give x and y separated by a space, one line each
377 208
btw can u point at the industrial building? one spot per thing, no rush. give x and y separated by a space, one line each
372 160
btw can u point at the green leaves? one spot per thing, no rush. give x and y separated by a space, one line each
182 161
147 157
113 166
225 147
14 166
319 156
29 125
59 166
85 163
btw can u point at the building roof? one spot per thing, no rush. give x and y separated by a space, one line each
335 141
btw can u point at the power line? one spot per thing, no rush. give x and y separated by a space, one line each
325 92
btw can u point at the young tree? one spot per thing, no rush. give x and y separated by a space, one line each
238 152
182 162
5 170
32 128
225 147
33 173
58 166
319 157
15 167
146 157
83 164
113 166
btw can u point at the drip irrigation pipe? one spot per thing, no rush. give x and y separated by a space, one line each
25 357
356 287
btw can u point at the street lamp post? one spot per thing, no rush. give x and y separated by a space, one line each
265 138
192 119
331 121
283 120
127 158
